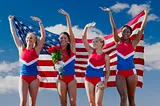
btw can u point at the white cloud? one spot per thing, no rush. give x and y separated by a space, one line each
152 57
153 17
135 9
57 29
119 7
9 84
1 51
7 67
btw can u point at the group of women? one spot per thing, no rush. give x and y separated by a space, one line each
98 61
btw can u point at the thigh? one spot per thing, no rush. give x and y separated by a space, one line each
33 89
90 90
121 85
99 95
62 89
72 90
23 89
131 84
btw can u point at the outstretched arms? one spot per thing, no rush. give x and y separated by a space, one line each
84 37
139 36
69 25
15 37
114 29
43 34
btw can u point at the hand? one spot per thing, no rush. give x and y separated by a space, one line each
105 9
63 12
10 17
36 19
90 24
101 85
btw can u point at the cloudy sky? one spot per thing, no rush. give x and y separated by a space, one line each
81 13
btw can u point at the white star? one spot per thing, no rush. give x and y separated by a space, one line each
25 27
49 35
16 22
30 27
21 22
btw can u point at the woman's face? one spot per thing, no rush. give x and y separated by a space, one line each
97 43
64 39
126 33
30 39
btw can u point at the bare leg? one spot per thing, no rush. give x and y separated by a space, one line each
62 91
72 90
33 90
131 84
122 89
90 90
23 92
99 97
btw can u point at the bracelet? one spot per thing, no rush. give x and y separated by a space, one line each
40 23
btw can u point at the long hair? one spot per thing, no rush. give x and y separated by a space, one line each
68 50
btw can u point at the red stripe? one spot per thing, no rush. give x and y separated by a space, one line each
47 85
81 62
140 49
139 61
81 50
45 63
140 72
82 56
47 74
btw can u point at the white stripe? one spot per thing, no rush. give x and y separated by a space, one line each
108 49
29 63
140 78
79 65
45 57
125 57
139 55
45 68
141 43
112 78
81 53
139 66
82 59
113 67
113 59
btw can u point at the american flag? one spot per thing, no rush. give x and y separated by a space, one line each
48 75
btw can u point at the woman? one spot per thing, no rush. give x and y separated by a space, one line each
67 84
95 80
28 57
126 79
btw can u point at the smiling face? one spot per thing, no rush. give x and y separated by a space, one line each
64 39
126 32
31 39
98 42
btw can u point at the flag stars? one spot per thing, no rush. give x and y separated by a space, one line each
30 27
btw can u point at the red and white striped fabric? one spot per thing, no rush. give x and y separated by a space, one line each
48 76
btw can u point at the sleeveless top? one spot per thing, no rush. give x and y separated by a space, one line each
69 62
125 53
96 65
28 62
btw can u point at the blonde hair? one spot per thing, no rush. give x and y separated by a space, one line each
101 39
37 40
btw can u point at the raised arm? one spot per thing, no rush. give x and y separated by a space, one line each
69 25
114 29
139 36
15 37
107 68
84 37
43 35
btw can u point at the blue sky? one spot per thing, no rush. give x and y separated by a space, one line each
81 13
